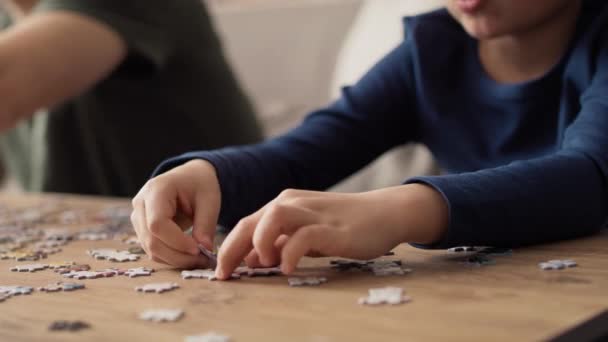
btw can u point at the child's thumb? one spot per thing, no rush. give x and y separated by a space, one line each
204 224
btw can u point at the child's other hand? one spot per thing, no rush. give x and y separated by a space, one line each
188 195
359 226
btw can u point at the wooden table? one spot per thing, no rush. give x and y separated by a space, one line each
512 300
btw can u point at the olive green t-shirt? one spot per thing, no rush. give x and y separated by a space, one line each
173 93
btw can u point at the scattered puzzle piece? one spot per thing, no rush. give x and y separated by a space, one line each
307 281
138 272
24 255
112 255
557 264
110 272
386 295
16 290
389 270
347 265
209 255
60 286
258 272
200 274
162 315
58 234
157 287
208 337
29 268
69 326
70 267
136 250
93 236
479 260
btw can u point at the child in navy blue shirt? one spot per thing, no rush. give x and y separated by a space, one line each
511 96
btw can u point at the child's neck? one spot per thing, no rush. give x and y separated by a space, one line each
530 54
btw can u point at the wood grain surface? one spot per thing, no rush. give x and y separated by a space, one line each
512 300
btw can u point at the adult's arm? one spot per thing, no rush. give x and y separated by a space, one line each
51 56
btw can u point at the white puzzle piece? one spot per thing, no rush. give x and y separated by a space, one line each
162 315
386 295
157 287
306 281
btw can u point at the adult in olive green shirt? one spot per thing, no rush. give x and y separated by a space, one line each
126 83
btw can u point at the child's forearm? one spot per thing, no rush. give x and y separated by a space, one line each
417 211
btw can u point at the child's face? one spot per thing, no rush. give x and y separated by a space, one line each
485 19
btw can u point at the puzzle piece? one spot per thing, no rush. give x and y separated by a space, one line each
258 272
29 268
157 287
138 272
386 295
16 290
58 234
208 337
307 281
479 260
24 255
60 286
112 255
72 217
136 250
200 274
69 326
47 251
569 263
72 286
50 244
113 271
101 253
68 267
91 274
4 296
209 255
557 264
93 236
162 315
389 270
347 265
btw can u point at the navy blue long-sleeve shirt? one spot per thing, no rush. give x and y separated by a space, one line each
527 162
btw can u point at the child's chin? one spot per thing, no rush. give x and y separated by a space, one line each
481 32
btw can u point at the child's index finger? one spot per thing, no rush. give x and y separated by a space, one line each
235 248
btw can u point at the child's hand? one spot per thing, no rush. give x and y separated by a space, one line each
359 226
168 204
